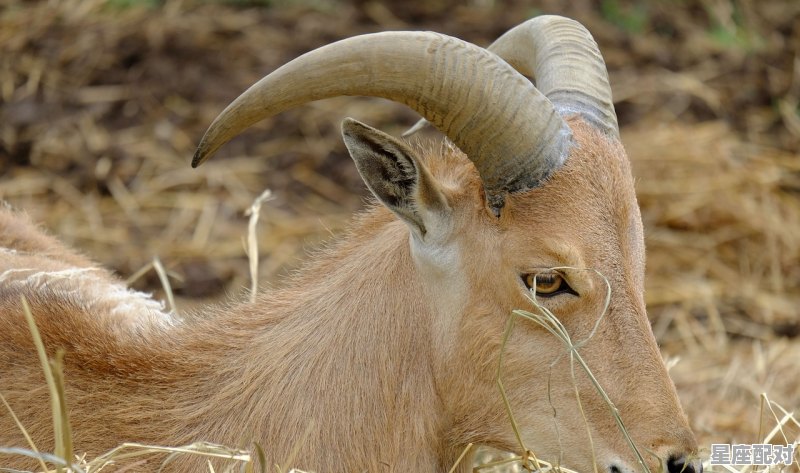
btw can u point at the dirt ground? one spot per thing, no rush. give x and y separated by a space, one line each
103 101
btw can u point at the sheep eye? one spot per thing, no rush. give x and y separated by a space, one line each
547 284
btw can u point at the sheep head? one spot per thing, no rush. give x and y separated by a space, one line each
535 203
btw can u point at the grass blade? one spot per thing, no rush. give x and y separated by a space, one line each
54 376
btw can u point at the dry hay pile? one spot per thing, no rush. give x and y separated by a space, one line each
102 102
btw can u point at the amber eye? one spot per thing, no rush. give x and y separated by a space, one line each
547 284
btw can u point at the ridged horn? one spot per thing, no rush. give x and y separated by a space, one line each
493 113
562 58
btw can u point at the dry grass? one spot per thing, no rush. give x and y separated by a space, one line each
101 106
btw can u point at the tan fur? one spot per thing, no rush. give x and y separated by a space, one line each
385 360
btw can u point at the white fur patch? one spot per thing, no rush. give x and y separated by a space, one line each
95 293
440 266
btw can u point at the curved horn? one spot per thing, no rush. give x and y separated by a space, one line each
494 114
565 62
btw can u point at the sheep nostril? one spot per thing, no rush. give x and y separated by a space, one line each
681 464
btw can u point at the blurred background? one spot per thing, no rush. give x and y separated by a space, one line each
103 101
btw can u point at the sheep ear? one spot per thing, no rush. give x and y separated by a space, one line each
396 176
